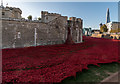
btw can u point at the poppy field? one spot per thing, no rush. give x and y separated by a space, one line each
53 63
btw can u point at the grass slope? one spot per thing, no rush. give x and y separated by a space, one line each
93 74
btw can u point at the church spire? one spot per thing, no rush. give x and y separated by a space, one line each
107 16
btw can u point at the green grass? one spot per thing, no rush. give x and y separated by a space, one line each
93 74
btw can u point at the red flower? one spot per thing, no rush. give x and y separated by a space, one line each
53 63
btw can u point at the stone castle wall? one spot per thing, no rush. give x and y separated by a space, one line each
22 33
76 29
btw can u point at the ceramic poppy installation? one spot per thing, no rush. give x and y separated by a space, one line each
53 63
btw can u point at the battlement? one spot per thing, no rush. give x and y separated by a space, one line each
72 18
49 14
13 9
79 19
75 19
47 17
11 12
44 12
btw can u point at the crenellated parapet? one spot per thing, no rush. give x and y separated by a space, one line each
72 18
11 12
47 17
47 13
75 22
75 25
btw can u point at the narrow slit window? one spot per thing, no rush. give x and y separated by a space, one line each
19 35
3 13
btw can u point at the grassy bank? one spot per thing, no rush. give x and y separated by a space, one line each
93 74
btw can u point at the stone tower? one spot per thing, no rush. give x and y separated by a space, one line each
107 16
43 14
2 4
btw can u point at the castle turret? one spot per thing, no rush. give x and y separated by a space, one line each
72 18
80 22
11 12
43 14
2 4
47 17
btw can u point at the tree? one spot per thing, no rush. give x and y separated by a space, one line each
29 17
39 18
103 28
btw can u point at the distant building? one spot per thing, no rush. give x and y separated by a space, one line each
107 16
95 31
87 31
113 27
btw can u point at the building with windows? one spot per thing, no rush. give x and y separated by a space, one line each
87 31
113 26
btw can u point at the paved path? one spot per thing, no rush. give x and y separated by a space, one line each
113 79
